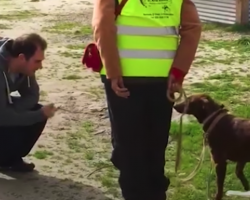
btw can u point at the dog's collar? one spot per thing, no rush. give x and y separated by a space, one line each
206 120
219 114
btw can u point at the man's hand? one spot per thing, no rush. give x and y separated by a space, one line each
118 86
174 85
49 110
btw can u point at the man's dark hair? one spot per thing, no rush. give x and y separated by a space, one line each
26 44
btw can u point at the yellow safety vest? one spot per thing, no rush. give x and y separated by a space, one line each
147 37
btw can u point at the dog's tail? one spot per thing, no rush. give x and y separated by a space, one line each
198 166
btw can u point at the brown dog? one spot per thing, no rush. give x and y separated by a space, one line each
228 138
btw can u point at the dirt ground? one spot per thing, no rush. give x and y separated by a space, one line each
62 174
77 138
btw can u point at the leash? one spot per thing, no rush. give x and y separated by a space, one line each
67 110
171 98
203 152
209 176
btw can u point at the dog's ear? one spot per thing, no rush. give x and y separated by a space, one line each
204 100
207 103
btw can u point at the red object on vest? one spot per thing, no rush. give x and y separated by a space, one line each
91 56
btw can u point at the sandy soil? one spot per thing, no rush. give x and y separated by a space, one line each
62 175
76 133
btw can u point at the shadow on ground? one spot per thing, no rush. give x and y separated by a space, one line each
39 187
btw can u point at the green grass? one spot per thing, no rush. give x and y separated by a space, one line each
221 47
42 154
76 46
231 89
196 188
70 54
20 15
69 28
223 51
72 77
4 26
76 140
238 28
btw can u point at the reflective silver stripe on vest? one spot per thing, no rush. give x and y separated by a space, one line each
148 54
135 30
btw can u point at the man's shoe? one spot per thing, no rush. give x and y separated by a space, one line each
20 166
23 167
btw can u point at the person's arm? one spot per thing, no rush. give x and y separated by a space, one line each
8 115
104 30
190 32
29 92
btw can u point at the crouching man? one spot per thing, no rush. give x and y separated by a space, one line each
22 119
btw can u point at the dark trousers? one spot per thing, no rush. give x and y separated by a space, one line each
17 142
140 130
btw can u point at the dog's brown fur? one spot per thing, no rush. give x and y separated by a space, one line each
228 140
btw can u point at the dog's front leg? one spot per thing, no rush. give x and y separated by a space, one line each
221 168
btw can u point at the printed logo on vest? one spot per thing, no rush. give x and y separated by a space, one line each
157 9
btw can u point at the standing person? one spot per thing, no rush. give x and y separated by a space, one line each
146 51
22 119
